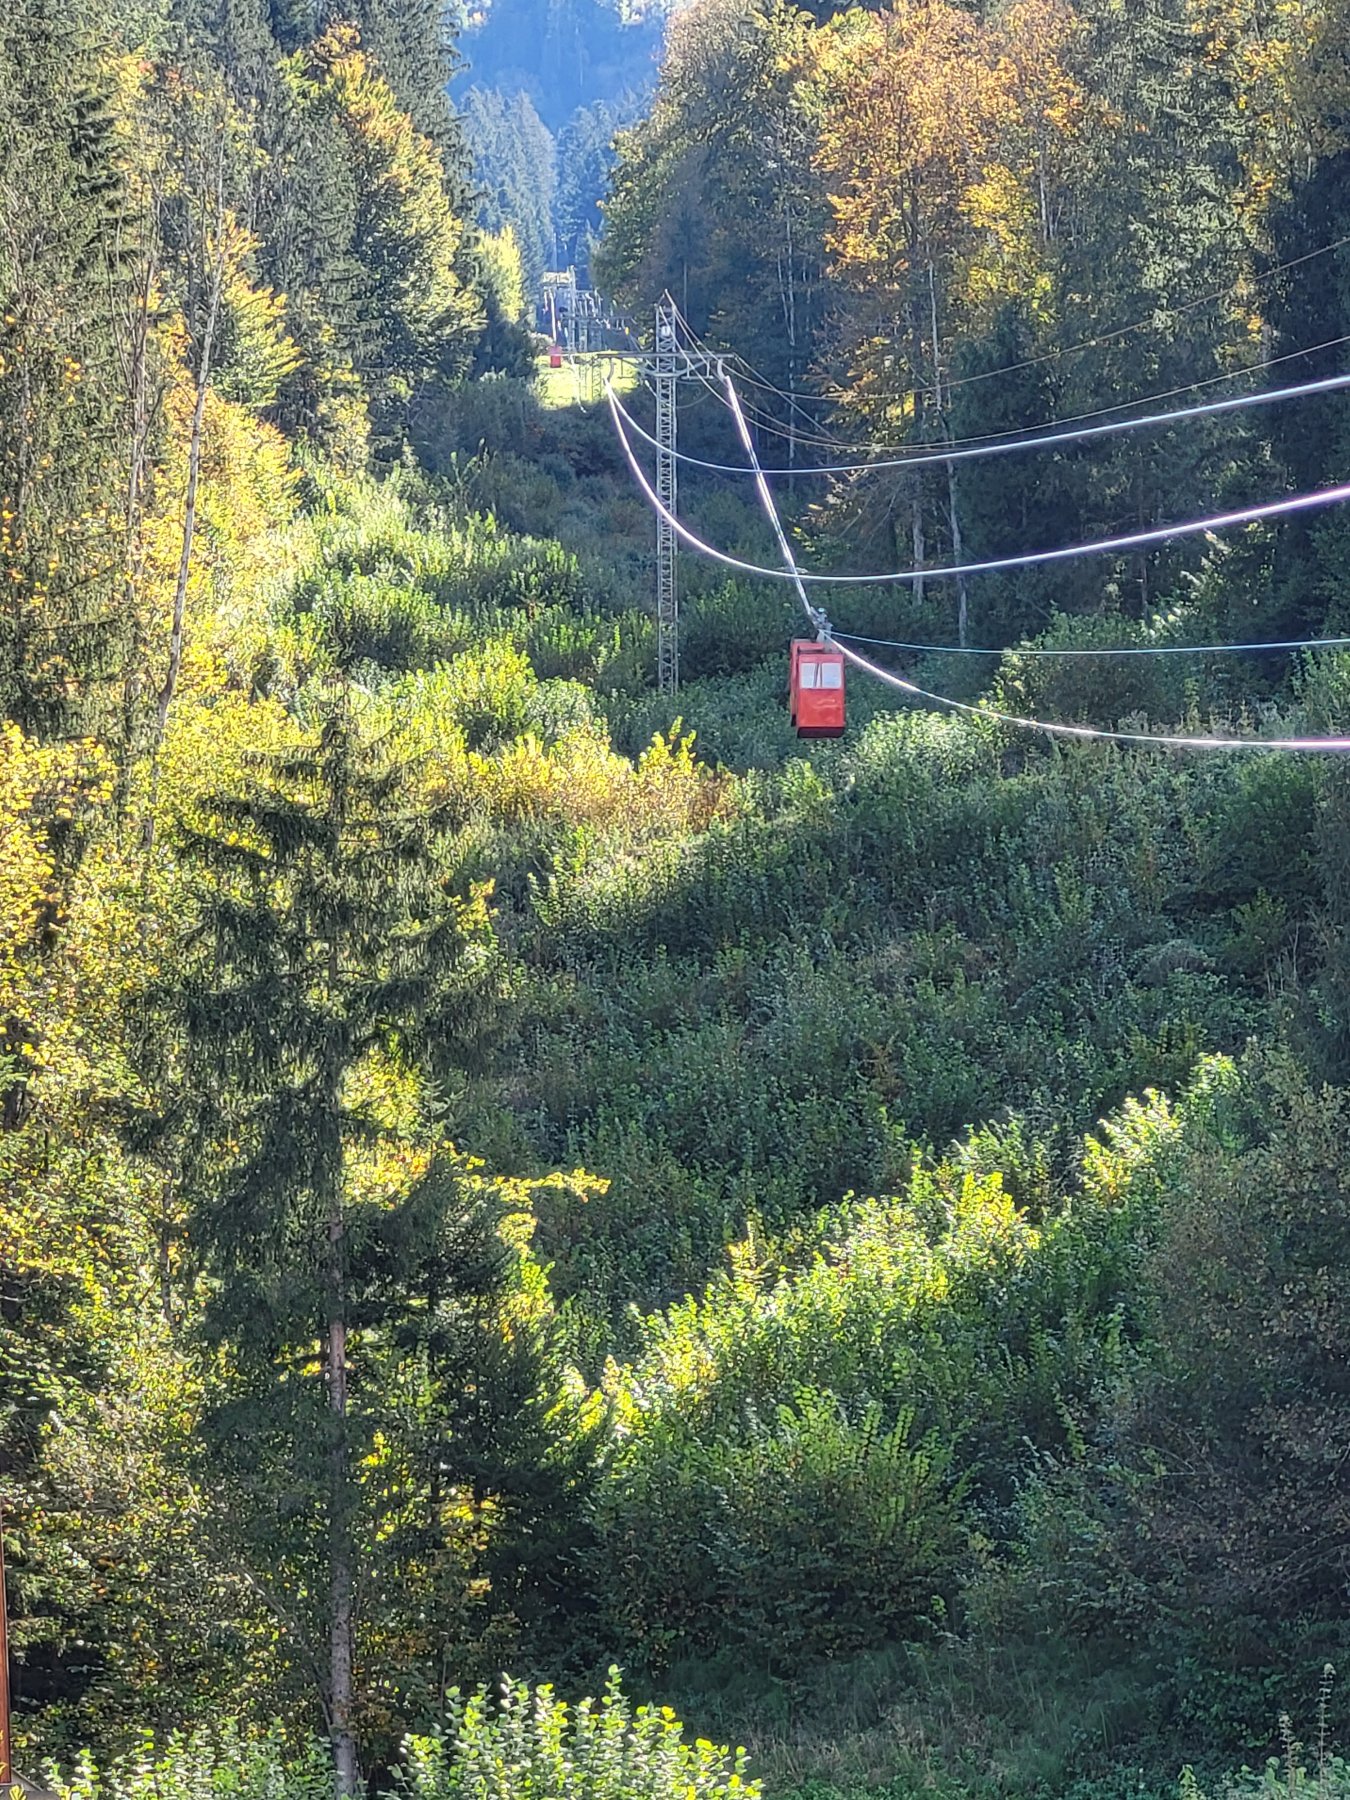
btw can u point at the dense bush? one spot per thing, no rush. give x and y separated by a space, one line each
510 1744
1298 1773
203 1765
802 1456
890 1277
735 627
1244 1525
1149 691
522 1745
360 619
886 945
743 999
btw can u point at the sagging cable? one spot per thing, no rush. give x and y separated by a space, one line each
1134 540
1160 740
1030 441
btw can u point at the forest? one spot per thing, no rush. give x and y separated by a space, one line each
558 1241
541 88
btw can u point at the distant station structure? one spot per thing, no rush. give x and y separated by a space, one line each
577 319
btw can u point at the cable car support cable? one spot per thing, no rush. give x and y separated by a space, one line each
1329 384
775 426
1059 350
1319 643
766 422
1134 540
1168 740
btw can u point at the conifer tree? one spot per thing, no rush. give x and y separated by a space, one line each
585 157
293 22
376 270
515 171
61 209
413 42
330 960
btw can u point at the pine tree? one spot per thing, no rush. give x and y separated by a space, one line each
235 35
1308 305
412 42
488 1453
293 22
1017 499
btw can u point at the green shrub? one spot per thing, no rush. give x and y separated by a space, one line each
612 655
486 692
802 1455
736 627
1239 1523
1287 1776
203 1765
1277 1781
1102 690
525 1745
385 621
524 572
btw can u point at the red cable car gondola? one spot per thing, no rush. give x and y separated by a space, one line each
555 356
816 689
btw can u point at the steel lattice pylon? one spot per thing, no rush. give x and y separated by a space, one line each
675 356
666 370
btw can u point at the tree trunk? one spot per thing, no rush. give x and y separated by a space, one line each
789 292
916 499
170 684
166 1236
944 425
958 555
917 537
134 345
341 1548
1140 511
341 1576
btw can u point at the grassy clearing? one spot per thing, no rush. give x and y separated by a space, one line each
581 379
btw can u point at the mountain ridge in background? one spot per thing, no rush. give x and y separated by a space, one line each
543 86
565 54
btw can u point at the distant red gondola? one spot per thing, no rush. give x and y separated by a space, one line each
816 689
555 356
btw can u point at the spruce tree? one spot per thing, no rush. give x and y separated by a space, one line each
293 22
388 271
586 156
515 171
413 41
234 34
330 959
61 196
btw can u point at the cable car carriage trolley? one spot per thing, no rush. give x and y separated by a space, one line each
816 689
